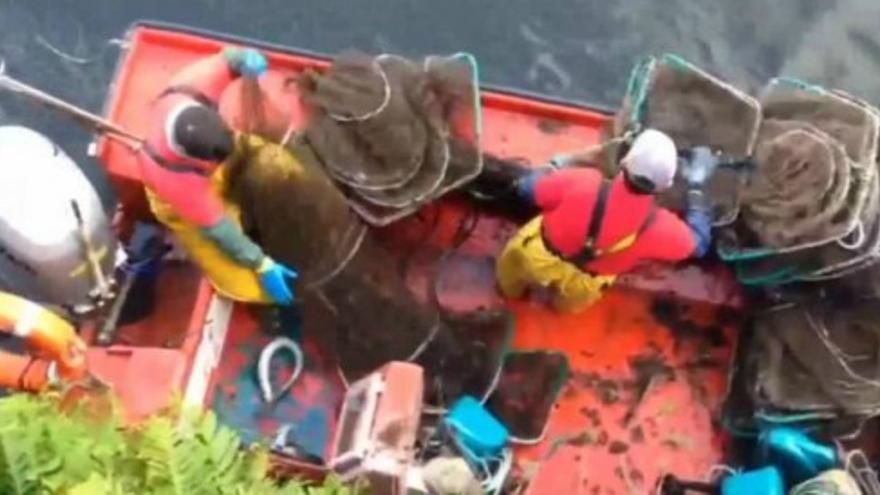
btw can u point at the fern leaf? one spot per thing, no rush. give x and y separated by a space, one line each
16 468
95 485
173 466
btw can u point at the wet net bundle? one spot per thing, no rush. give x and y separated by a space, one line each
801 221
695 109
819 358
393 133
809 206
355 303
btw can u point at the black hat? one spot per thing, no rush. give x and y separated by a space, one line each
202 134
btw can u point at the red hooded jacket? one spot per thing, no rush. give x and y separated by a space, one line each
567 198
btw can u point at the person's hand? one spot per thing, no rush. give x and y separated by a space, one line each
525 185
703 164
274 278
247 62
560 160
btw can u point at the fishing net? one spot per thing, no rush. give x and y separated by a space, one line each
800 193
393 133
819 358
695 109
529 385
810 206
355 303
851 122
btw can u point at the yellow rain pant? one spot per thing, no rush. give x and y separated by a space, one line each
229 278
526 261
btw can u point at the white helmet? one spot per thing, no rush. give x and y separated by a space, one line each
653 159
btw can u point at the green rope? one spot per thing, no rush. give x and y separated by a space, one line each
797 83
676 62
746 255
785 275
637 91
478 100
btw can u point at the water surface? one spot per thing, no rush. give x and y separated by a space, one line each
576 49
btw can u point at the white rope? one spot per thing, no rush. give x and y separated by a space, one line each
386 98
659 488
288 134
864 475
597 147
345 261
70 58
711 476
859 240
496 378
822 332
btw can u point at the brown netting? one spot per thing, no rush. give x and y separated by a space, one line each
850 122
810 207
353 292
355 302
695 109
798 191
820 357
397 134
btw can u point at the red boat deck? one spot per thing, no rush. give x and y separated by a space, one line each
676 322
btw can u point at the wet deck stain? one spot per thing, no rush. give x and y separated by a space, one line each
592 415
581 439
637 435
672 315
608 391
617 447
637 477
550 126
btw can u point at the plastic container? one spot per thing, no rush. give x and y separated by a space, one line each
766 481
476 429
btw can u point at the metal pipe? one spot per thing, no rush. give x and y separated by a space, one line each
90 119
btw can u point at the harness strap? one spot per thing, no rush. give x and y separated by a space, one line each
173 167
588 251
191 92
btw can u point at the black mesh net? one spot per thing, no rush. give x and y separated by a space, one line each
810 207
395 133
695 109
819 357
529 385
355 300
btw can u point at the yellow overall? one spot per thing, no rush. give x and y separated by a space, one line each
229 278
526 261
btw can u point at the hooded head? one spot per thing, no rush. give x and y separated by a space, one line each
199 132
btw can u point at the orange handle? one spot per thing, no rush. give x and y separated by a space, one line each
47 334
23 373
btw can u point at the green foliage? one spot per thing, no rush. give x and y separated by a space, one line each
45 451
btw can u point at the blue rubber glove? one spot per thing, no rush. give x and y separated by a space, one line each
525 186
702 165
247 62
274 277
699 219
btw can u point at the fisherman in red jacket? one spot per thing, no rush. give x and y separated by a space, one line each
187 142
592 229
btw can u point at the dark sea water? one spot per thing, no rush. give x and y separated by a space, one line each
576 49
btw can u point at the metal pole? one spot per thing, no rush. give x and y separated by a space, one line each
96 122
